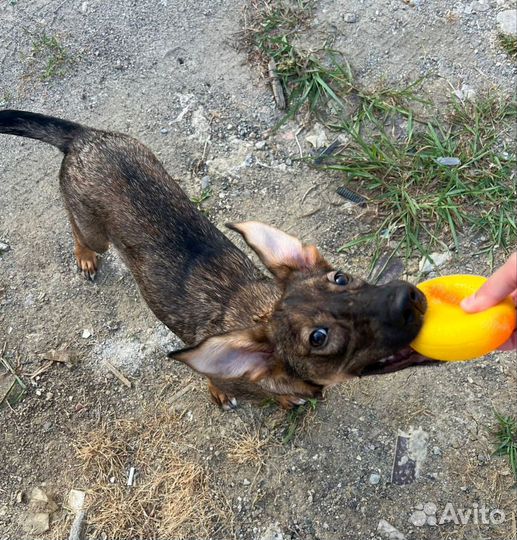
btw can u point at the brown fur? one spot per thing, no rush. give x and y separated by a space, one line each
248 333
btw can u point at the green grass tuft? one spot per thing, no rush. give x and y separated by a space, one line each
50 56
509 44
506 435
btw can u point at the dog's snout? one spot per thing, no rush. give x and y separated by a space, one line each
406 306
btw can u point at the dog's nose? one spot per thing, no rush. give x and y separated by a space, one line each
407 304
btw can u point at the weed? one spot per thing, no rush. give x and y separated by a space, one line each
202 197
509 44
49 56
295 416
506 435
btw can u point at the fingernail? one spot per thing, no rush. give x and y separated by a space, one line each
466 303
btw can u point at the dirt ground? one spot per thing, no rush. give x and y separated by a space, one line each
166 73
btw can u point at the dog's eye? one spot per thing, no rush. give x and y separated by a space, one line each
319 337
341 278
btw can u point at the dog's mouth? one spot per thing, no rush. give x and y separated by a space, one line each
402 359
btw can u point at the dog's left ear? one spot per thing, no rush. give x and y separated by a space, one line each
239 354
279 251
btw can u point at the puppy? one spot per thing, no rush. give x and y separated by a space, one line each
287 336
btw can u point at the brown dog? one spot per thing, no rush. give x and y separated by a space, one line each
288 337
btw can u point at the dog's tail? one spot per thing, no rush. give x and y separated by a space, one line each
60 133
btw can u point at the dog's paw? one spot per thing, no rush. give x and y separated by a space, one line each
86 262
288 401
226 402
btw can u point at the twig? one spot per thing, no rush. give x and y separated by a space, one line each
118 374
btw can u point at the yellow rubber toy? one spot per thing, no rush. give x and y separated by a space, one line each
449 333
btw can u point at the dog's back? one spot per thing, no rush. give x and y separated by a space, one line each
117 192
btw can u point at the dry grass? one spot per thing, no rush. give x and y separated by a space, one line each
249 447
171 496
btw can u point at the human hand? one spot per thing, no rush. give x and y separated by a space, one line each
502 283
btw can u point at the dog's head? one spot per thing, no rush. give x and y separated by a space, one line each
326 327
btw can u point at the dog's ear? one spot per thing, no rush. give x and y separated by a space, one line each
239 354
279 251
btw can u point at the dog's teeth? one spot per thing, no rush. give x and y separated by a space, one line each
233 402
301 401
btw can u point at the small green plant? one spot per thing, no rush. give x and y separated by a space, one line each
49 56
203 196
509 44
295 416
506 435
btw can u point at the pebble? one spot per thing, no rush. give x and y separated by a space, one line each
374 479
164 131
507 21
246 482
86 334
38 523
4 247
273 532
388 531
205 182
350 18
438 259
260 145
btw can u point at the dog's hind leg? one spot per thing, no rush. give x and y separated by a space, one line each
89 239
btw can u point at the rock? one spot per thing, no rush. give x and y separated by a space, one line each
507 22
205 182
448 161
39 496
260 145
317 136
164 131
273 532
37 523
389 532
75 500
246 482
438 259
4 247
350 18
465 92
374 479
86 334
20 497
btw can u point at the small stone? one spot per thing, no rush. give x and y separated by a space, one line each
350 18
20 497
374 479
273 532
388 531
507 21
38 523
4 247
469 9
317 136
437 451
164 131
246 482
260 145
86 334
75 501
430 508
205 182
437 259
38 495
448 161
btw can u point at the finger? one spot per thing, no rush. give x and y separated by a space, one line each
501 284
